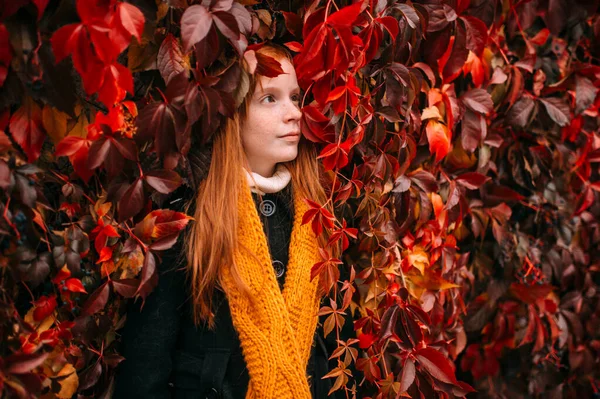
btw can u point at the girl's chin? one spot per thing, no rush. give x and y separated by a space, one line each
287 157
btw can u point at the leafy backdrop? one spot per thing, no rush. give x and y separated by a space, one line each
461 144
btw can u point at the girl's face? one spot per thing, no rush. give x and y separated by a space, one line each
271 131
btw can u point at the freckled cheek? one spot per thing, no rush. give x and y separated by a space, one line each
259 132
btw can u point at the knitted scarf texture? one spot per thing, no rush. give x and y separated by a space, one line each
277 328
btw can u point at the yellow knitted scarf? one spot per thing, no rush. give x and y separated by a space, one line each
277 331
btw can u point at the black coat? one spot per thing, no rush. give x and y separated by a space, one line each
167 356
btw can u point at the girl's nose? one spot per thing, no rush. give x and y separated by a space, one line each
293 112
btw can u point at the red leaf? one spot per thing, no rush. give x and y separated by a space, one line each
476 34
168 222
62 274
436 364
74 285
366 340
116 81
97 300
130 19
41 6
530 294
438 136
132 201
108 43
336 93
390 24
93 11
44 307
457 57
267 66
27 129
105 255
163 181
478 100
5 53
472 180
293 23
294 46
346 16
69 146
315 125
195 24
335 156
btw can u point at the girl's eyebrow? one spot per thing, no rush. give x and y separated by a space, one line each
277 89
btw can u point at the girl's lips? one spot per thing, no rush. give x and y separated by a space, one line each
291 137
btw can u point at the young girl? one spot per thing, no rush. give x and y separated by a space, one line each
241 322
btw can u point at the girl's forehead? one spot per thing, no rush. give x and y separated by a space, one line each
284 80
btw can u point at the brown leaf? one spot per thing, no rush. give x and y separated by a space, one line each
520 113
408 375
170 59
585 93
149 278
558 110
55 123
97 300
126 287
163 181
478 100
472 180
476 34
24 363
195 24
132 201
474 130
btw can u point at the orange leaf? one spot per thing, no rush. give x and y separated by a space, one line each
439 137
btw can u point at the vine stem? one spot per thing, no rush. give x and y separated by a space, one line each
10 223
136 238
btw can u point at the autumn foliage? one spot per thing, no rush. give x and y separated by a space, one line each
461 145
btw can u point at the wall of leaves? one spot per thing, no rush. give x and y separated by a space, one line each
462 153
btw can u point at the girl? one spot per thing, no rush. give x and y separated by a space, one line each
242 324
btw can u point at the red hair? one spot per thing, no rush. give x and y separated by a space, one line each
212 240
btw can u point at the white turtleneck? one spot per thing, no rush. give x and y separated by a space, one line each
262 185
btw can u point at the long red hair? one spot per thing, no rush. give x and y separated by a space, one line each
212 240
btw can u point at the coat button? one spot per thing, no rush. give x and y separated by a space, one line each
267 207
212 394
279 268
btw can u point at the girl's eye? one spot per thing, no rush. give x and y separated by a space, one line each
296 98
268 99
